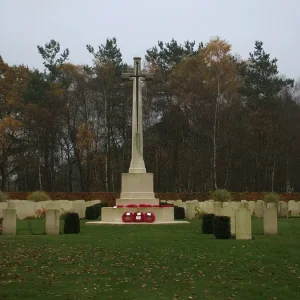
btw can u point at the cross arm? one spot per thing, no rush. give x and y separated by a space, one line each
147 77
127 76
143 76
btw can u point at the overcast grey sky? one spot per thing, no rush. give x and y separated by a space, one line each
138 25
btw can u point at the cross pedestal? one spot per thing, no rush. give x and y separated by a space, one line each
137 188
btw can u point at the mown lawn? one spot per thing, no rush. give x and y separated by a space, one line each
150 262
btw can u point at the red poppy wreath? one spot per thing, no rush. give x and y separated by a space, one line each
127 217
149 217
138 217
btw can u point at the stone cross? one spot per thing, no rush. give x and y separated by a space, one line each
137 164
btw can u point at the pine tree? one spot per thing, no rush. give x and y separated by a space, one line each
261 81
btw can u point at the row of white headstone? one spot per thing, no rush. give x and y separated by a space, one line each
240 214
257 208
28 209
9 224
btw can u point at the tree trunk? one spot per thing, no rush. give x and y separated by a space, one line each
215 141
287 177
273 174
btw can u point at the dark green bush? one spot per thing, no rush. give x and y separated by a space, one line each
72 223
97 209
221 195
222 227
38 196
91 213
208 223
179 213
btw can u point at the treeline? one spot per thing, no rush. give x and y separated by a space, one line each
211 120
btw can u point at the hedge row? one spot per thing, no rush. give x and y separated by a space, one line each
110 198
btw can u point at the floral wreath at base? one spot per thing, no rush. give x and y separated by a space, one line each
138 217
149 217
127 217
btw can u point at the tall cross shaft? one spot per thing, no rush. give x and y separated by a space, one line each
137 164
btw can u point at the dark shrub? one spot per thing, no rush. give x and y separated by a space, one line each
72 223
97 208
208 223
179 213
222 227
91 213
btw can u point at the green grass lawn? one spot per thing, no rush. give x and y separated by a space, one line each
150 262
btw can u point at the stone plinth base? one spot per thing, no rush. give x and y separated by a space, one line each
162 214
125 202
137 188
122 223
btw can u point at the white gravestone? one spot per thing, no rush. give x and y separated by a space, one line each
229 212
52 221
9 221
270 220
79 208
283 209
243 230
217 208
190 209
259 209
293 207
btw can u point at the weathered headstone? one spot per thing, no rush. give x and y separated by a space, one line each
243 230
190 209
229 212
271 204
244 204
79 208
251 206
217 208
226 203
208 206
259 209
270 220
52 221
170 201
25 208
9 221
3 205
282 209
293 207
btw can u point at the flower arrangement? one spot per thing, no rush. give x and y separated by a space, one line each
142 205
149 217
138 217
127 217
41 213
199 212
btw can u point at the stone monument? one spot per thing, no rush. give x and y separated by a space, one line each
137 185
